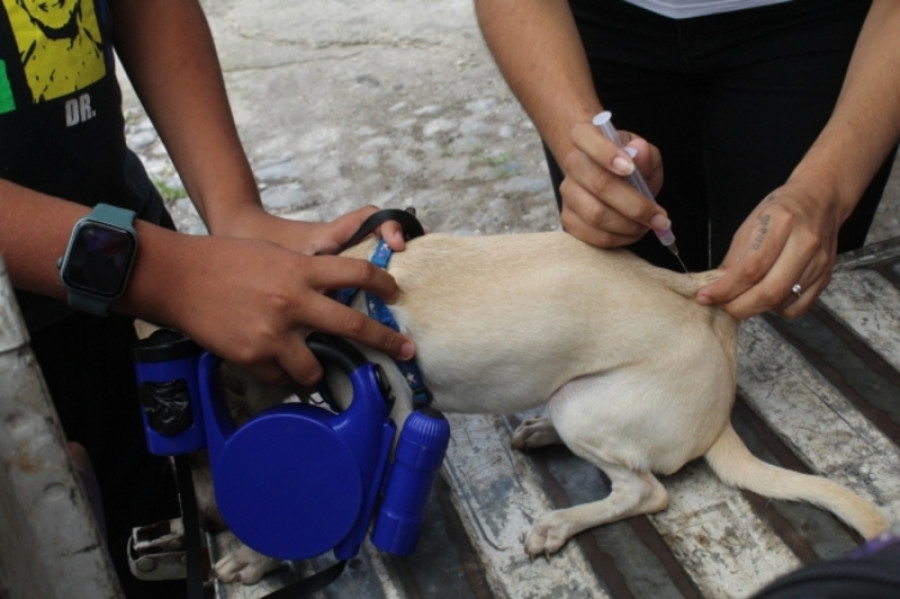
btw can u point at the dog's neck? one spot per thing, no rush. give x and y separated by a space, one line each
378 310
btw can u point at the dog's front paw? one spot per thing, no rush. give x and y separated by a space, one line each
244 565
535 432
549 533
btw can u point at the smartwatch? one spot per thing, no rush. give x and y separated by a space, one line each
97 264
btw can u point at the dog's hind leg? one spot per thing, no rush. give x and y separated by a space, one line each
633 493
596 418
535 432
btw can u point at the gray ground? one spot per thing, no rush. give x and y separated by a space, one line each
343 103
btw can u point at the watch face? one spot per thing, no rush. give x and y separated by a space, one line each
99 259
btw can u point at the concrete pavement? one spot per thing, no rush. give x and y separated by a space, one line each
391 102
395 102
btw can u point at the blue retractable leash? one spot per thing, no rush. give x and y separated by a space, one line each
296 480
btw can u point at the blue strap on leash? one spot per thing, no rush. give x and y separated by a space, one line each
412 228
378 310
376 307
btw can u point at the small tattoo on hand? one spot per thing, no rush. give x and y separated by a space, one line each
764 221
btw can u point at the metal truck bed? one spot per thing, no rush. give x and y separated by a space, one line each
820 394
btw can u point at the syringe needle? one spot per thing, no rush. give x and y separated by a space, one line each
674 250
666 237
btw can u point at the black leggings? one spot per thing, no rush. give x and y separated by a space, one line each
733 102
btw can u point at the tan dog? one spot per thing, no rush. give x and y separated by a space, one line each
638 377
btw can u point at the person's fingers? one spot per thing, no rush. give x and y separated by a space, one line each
756 288
341 229
756 246
392 233
588 138
797 299
336 272
334 318
298 362
806 288
333 272
638 154
605 200
600 212
272 373
802 299
588 232
293 361
647 159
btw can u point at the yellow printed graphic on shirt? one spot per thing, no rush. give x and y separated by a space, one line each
59 45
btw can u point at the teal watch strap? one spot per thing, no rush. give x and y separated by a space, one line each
113 215
98 261
86 303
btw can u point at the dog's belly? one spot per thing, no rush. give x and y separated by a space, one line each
498 369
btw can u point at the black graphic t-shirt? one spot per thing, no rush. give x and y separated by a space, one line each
61 123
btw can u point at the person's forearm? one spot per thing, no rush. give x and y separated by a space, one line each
249 301
168 52
865 124
537 48
34 233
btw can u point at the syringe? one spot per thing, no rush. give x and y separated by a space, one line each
604 121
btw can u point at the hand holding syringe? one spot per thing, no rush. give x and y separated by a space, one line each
604 122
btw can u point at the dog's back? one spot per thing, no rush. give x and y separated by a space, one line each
503 321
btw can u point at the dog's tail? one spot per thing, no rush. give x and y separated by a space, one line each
730 459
